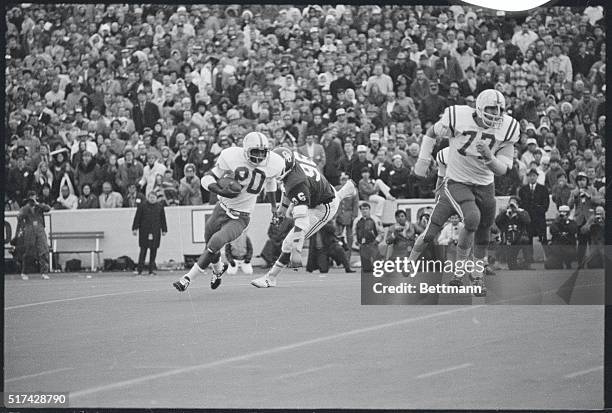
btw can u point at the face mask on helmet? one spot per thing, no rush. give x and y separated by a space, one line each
491 116
257 155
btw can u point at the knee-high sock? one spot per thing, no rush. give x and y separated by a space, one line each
280 263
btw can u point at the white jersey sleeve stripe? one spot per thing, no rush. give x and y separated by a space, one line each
511 129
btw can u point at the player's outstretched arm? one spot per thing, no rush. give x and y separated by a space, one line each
210 183
424 160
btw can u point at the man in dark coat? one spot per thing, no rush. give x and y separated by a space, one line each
20 181
333 155
144 113
534 198
150 221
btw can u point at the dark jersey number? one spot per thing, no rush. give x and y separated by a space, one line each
257 179
471 136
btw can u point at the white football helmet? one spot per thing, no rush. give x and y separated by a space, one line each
256 148
495 102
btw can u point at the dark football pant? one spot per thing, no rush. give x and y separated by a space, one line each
221 229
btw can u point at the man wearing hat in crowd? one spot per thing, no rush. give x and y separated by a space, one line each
368 233
529 155
534 198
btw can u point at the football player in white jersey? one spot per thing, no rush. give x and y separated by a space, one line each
481 145
254 167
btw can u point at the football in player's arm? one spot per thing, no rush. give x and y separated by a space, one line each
215 181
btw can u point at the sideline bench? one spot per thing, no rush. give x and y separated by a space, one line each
94 251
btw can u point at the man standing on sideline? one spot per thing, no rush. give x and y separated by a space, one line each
150 221
534 198
368 232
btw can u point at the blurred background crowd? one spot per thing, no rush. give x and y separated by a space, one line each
108 103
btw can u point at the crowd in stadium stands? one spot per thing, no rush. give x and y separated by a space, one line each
108 103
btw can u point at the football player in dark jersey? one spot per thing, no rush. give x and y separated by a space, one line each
314 203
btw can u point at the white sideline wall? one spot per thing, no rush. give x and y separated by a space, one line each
185 228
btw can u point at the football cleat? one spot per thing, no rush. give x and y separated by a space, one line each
215 278
264 282
182 284
45 277
24 277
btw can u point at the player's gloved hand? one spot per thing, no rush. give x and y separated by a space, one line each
421 167
484 150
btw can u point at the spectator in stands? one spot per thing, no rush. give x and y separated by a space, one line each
66 200
399 178
150 171
150 225
333 155
369 189
87 199
189 187
561 191
88 172
313 151
534 198
20 181
109 198
432 106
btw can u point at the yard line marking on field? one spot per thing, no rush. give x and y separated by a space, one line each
302 372
85 297
262 353
583 372
42 373
441 371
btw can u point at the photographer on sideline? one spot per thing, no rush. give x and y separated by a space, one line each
583 200
513 223
563 233
400 236
594 230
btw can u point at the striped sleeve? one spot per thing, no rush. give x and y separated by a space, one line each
512 132
440 158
